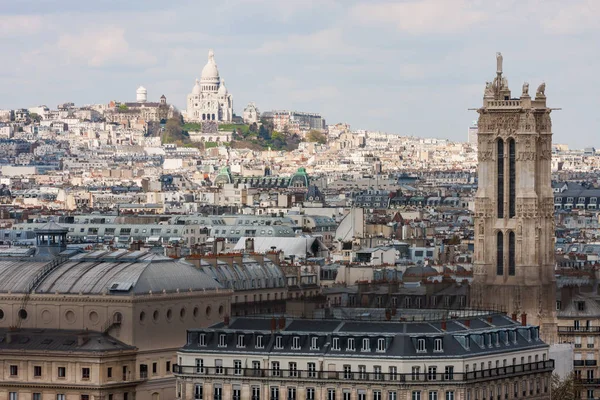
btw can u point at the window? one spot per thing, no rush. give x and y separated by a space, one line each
14 370
500 182
222 340
432 373
154 368
416 395
237 367
346 395
366 344
330 394
293 369
377 395
499 253
85 373
198 392
36 396
347 372
240 341
433 395
109 372
511 178
295 343
415 373
314 343
199 366
218 392
450 395
420 344
350 345
279 342
12 396
362 372
380 345
335 344
237 393
202 339
291 393
168 366
255 393
392 396
37 371
449 373
310 393
274 393
312 370
259 342
437 345
275 371
362 394
377 372
511 253
62 372
60 396
218 366
393 373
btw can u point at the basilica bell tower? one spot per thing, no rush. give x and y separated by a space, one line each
514 205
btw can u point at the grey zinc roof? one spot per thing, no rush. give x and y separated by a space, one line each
101 272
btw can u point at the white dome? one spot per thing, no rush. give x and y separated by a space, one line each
222 89
196 89
141 94
141 89
210 73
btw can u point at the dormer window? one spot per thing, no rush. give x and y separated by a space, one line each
580 305
295 343
366 344
335 344
222 340
350 346
438 345
259 342
240 341
380 345
202 339
279 342
314 343
421 345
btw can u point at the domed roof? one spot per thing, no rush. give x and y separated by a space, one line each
141 89
222 89
196 89
210 72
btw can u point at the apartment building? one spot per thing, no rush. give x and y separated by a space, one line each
488 356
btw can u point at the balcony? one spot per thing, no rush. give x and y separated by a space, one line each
367 377
572 330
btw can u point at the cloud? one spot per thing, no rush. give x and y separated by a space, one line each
103 47
573 17
329 41
420 16
19 25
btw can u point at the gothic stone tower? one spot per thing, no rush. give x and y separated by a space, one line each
514 205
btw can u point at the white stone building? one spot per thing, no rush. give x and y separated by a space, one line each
210 100
251 114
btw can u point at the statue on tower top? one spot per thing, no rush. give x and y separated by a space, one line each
499 62
211 55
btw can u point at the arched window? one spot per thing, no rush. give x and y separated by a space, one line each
511 253
511 178
203 117
500 183
499 253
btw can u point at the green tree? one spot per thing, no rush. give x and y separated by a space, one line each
35 117
316 136
123 107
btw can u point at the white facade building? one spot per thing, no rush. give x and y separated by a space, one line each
210 100
251 114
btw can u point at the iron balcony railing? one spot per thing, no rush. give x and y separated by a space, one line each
580 329
446 376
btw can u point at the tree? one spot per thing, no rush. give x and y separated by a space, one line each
316 136
35 117
567 389
123 107
253 127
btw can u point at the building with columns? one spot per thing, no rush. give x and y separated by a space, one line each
514 205
209 100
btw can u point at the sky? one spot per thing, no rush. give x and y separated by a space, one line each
410 67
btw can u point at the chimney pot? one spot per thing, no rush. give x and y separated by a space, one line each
444 325
514 317
524 319
468 323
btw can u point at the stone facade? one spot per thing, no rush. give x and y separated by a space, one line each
514 211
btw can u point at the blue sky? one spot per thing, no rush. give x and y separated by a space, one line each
407 67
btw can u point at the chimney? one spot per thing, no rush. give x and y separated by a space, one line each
523 319
467 323
514 317
273 324
444 325
489 319
226 321
281 323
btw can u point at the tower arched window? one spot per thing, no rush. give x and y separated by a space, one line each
500 182
511 177
511 253
499 253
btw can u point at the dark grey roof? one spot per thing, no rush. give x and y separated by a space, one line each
59 340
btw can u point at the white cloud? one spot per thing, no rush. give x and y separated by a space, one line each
19 25
572 17
330 41
420 16
103 47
